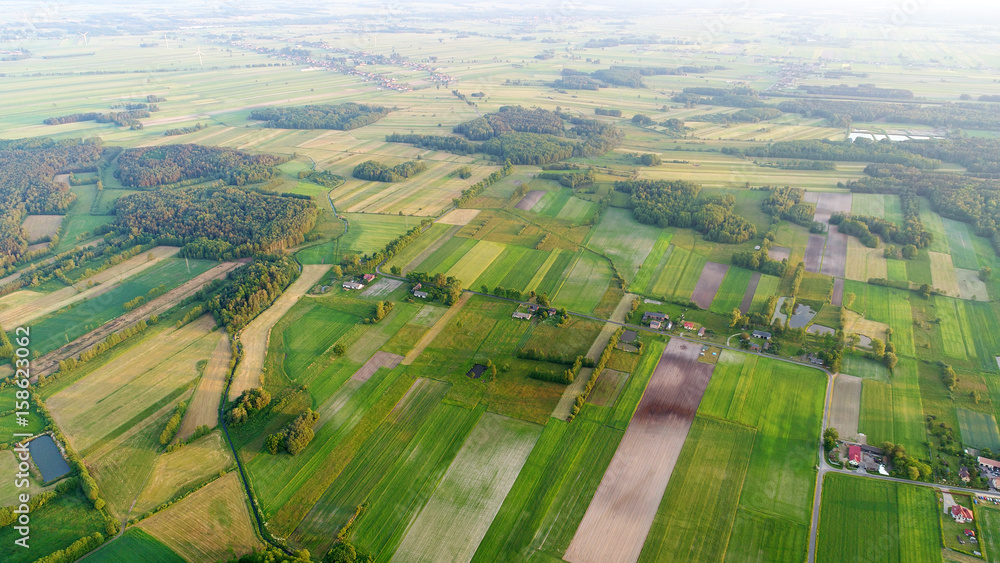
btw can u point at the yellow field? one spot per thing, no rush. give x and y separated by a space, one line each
210 525
475 262
204 407
182 468
114 393
864 262
103 282
459 216
38 226
943 273
254 336
858 324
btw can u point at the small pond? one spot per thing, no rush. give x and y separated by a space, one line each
46 455
801 316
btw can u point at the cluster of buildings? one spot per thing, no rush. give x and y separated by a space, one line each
418 292
532 311
355 284
657 321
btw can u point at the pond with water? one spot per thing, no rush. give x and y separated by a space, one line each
46 455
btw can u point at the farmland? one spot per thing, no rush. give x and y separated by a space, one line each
863 519
447 428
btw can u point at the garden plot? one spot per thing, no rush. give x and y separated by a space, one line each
835 256
943 275
459 513
379 360
530 199
837 299
814 253
459 216
381 288
751 290
709 283
619 517
845 408
779 253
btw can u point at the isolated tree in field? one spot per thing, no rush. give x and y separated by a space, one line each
735 318
986 273
909 252
830 438
890 360
339 349
337 271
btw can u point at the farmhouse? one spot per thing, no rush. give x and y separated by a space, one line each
961 514
701 331
353 285
655 324
688 325
368 278
520 315
754 347
420 294
963 474
762 334
854 455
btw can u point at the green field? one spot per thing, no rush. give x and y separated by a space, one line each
368 232
766 287
903 422
73 322
442 259
653 264
680 274
869 520
886 305
989 530
956 340
979 429
984 328
65 519
584 284
423 242
134 545
313 335
865 368
697 512
963 255
627 242
474 262
731 292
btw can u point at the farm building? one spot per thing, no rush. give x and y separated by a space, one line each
754 347
629 336
353 285
648 316
655 324
418 286
368 278
701 331
990 464
532 309
854 455
961 514
520 315
420 294
688 325
963 474
762 334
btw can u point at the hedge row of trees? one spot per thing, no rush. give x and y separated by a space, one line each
120 118
294 437
751 115
882 152
375 171
342 117
608 112
217 222
581 399
174 424
759 260
859 91
843 113
249 403
113 339
456 145
145 167
251 289
474 190
676 203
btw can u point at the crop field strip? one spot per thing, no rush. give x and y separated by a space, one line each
614 528
845 410
204 407
734 291
653 264
192 465
584 285
255 335
626 241
963 255
709 282
872 520
979 429
134 545
814 253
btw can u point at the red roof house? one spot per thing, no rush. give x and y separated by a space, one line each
369 277
688 325
854 455
961 514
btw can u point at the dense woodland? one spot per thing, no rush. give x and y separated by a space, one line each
859 91
456 145
676 204
376 171
618 75
842 113
786 203
220 223
26 186
861 150
327 116
122 118
252 289
146 167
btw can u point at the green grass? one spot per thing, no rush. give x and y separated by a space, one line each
963 254
870 520
680 275
765 538
368 232
365 472
55 526
70 323
985 332
653 263
989 532
548 283
865 368
584 284
503 265
894 412
520 275
731 292
875 420
135 545
552 202
979 429
886 305
475 262
442 259
953 331
626 241
766 287
697 512
313 335
896 270
424 241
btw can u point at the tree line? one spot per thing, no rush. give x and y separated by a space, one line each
125 118
863 150
859 91
343 117
841 113
251 289
294 437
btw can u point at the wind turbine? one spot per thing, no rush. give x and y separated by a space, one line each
84 35
202 63
165 39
